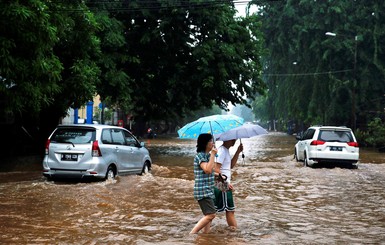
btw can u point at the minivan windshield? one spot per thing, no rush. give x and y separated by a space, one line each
335 136
73 135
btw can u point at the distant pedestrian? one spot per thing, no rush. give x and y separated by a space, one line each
150 133
204 170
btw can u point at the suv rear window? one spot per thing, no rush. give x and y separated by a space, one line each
73 135
335 136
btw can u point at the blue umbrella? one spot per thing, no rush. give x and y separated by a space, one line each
214 124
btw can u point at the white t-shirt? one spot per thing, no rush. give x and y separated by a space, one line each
224 159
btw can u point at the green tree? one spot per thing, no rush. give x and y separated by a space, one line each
78 48
243 111
48 51
187 56
314 78
156 59
115 83
30 73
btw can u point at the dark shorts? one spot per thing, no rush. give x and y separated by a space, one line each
207 205
224 200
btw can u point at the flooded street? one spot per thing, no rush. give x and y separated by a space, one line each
278 201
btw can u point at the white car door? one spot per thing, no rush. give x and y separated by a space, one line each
304 143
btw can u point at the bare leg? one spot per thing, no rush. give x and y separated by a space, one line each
203 223
207 228
230 217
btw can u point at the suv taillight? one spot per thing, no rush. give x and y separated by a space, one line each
47 146
95 149
354 144
317 142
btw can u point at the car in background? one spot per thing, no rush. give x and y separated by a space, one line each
327 144
94 150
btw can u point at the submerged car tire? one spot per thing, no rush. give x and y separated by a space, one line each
50 178
146 168
296 155
305 161
110 175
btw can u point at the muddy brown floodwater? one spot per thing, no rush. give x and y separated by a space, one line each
278 201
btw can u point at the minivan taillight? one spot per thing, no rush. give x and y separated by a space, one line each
354 144
47 146
317 142
95 149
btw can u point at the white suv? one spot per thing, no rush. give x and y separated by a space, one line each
327 144
94 150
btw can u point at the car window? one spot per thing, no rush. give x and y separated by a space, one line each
130 139
309 134
73 135
117 137
106 136
335 136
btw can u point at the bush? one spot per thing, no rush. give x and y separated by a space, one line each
361 137
375 136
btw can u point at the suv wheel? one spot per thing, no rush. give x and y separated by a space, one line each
296 155
110 175
305 161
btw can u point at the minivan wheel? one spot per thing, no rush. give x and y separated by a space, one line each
146 168
110 175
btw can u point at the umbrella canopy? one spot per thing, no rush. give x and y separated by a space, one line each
243 131
214 124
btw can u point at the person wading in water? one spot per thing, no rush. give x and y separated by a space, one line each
204 170
224 200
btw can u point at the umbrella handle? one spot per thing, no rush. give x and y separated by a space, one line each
212 133
243 155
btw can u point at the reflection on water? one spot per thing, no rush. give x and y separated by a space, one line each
278 201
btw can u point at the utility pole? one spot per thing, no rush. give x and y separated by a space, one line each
353 116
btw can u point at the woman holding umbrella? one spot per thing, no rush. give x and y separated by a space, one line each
204 169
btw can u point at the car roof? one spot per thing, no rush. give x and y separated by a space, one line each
96 126
331 127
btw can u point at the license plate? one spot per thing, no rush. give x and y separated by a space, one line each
69 157
335 148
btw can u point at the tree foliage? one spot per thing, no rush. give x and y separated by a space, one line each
30 72
183 57
374 135
48 51
318 79
155 59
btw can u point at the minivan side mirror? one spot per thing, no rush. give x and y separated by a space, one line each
298 137
142 144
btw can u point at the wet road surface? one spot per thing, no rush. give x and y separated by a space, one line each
278 201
